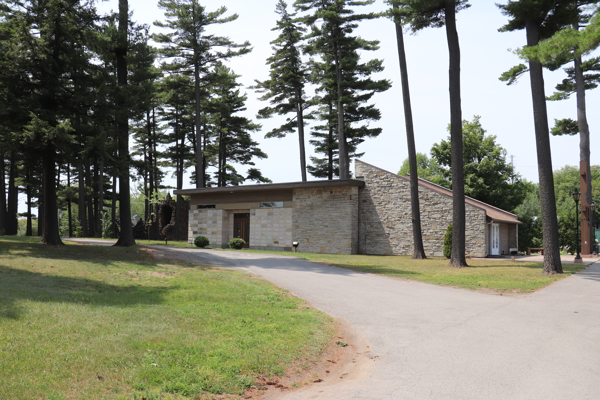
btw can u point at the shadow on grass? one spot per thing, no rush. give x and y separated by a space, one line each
17 285
16 248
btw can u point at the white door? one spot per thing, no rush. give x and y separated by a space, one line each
495 239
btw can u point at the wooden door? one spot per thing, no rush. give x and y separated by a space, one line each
241 227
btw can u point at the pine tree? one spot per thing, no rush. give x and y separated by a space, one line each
342 76
581 76
288 77
540 19
420 14
418 249
332 23
232 132
194 52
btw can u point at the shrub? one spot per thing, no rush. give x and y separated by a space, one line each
236 243
201 241
448 242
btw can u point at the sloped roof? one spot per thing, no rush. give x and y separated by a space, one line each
271 186
494 213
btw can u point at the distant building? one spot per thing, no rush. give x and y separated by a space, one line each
367 215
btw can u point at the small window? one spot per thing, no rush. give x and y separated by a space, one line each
204 206
271 204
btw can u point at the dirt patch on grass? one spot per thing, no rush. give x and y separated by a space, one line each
346 358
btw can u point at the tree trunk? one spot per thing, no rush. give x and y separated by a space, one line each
51 234
126 238
29 229
82 212
113 208
89 200
585 183
150 163
418 250
13 197
552 263
330 146
458 185
343 147
41 210
199 150
99 212
3 213
69 205
300 124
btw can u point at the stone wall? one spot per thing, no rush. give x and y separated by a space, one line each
385 223
211 223
325 219
271 228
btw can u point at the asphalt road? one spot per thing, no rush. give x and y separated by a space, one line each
431 342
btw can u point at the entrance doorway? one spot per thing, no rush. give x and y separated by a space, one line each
241 227
495 239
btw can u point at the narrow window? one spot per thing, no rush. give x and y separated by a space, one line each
203 206
271 204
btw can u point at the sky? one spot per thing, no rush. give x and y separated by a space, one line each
506 111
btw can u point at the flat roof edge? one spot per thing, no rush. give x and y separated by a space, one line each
271 186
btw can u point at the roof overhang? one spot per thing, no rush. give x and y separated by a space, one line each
271 186
502 221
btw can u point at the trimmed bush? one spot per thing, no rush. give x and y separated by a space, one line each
448 242
201 241
236 243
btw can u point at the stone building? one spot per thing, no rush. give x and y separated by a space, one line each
367 215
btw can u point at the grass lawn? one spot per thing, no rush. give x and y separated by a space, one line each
492 275
86 322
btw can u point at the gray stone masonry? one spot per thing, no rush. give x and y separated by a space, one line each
271 228
209 223
325 219
385 222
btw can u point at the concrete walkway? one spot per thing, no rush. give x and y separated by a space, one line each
440 343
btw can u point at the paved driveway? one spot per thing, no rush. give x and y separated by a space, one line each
440 343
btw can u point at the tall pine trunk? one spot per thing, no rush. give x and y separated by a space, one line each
458 185
51 235
89 200
40 230
588 234
2 195
331 143
113 208
199 150
343 146
100 211
13 199
552 263
126 238
81 203
300 124
418 250
69 205
29 228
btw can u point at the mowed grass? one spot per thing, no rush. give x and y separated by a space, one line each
491 275
87 322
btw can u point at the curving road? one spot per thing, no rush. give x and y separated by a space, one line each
440 343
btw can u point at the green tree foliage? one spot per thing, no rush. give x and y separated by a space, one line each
232 132
428 169
488 176
565 180
193 52
287 79
343 80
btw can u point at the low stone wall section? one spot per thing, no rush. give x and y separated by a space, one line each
385 220
325 219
